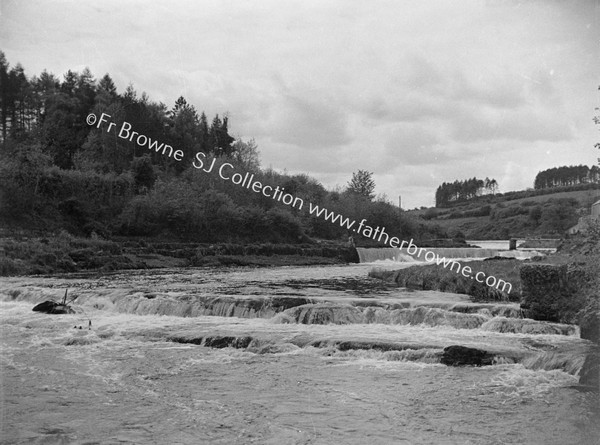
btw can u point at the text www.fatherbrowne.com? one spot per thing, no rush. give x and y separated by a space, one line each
226 171
379 234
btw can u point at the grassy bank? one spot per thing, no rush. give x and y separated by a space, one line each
502 217
434 277
65 253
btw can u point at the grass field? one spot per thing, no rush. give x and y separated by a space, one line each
534 216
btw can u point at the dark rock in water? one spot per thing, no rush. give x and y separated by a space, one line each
224 342
462 355
371 345
52 307
216 341
187 339
283 303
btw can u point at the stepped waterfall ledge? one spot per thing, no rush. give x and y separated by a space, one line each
224 335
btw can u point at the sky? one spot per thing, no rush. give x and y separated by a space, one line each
416 92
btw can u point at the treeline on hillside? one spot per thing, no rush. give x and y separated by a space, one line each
567 176
57 172
521 194
461 191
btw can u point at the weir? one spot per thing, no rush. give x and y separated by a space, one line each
381 254
371 255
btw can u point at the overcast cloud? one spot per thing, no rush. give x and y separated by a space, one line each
418 92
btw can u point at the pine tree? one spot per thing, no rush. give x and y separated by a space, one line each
362 184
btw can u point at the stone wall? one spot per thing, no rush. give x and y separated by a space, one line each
552 292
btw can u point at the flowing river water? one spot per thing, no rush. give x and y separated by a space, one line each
282 355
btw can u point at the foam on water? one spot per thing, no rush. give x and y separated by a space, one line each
518 382
376 374
394 308
386 255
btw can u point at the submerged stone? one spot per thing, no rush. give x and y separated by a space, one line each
227 341
462 355
214 341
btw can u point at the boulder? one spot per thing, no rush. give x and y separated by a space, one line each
52 307
462 355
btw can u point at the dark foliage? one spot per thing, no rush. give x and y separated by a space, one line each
461 191
58 172
567 176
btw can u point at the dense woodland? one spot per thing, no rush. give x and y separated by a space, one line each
57 173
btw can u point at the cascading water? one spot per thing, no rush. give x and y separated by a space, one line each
232 344
370 255
378 254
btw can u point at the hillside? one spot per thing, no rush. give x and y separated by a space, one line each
502 217
80 158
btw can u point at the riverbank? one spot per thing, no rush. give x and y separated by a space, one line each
64 253
434 277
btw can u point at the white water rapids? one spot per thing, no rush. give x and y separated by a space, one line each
283 355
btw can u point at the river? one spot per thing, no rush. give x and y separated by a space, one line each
226 356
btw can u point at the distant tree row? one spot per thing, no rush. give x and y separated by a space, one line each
567 176
458 191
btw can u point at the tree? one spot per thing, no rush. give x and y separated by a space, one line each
247 154
185 129
4 95
143 172
219 138
107 86
362 183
